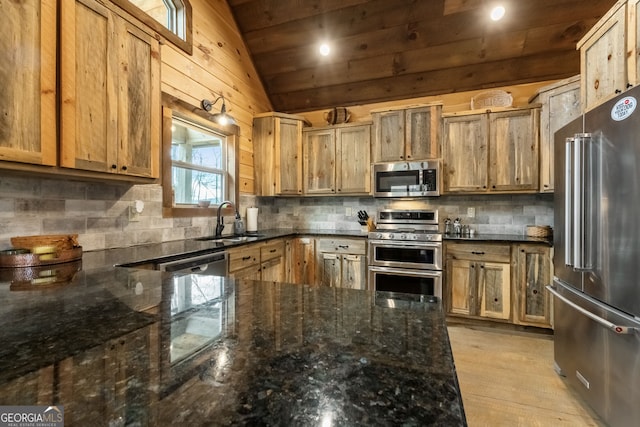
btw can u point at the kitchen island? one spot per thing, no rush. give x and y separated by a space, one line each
119 346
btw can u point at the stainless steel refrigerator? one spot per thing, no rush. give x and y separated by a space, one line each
596 285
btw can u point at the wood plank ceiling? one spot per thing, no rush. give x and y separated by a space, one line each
384 50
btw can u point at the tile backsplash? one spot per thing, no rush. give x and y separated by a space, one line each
99 212
494 214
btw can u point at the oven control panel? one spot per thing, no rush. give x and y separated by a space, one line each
398 235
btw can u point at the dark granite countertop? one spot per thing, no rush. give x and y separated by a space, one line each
120 346
141 253
499 238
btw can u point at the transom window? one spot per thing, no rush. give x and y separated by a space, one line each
198 164
172 19
170 13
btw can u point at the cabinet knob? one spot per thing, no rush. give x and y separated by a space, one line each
124 168
618 91
629 85
114 167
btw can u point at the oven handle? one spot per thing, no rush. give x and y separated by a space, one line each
406 271
406 244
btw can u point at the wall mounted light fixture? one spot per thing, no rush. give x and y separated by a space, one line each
222 117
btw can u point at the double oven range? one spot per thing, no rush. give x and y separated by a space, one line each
405 253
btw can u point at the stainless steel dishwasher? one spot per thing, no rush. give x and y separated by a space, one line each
214 264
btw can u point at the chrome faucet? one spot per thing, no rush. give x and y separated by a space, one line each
220 218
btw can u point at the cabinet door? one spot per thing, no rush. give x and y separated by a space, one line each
353 164
423 130
465 147
461 279
277 143
138 102
320 161
513 150
354 272
110 92
253 272
494 284
603 61
560 106
273 270
289 161
89 111
28 72
300 259
388 141
533 275
331 273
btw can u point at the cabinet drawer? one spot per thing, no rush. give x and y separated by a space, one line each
243 258
271 250
343 246
479 252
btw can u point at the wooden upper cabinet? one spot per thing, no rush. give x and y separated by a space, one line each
423 130
110 92
337 159
407 134
513 150
560 104
319 150
353 159
465 153
277 141
28 72
388 142
492 152
603 56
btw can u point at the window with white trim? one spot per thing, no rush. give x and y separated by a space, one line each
198 164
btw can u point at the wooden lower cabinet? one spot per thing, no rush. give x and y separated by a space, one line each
300 260
534 271
260 261
499 281
479 287
342 263
244 262
273 262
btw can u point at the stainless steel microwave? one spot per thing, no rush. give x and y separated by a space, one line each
407 179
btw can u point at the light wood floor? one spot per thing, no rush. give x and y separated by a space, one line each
507 379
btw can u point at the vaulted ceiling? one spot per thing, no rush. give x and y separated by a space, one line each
385 50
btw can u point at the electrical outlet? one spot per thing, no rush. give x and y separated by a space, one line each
296 211
471 212
348 212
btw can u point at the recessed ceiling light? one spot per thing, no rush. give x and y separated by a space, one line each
324 49
497 13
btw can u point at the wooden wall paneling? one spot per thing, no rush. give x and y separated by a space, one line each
226 43
452 102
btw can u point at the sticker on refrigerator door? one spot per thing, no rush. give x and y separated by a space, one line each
623 108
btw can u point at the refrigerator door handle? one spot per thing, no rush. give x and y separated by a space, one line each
568 202
581 256
618 329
